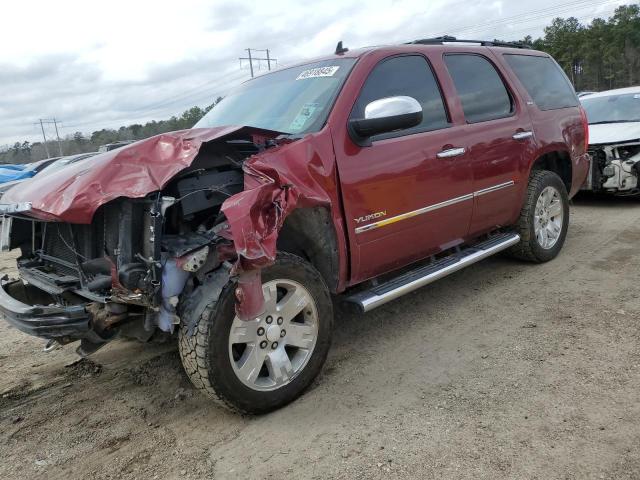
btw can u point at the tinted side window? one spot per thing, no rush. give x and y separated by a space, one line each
480 88
408 75
544 80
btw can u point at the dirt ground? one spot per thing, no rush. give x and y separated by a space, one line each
505 370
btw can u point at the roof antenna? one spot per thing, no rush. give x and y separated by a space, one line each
340 50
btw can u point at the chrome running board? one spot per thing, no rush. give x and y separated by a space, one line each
408 282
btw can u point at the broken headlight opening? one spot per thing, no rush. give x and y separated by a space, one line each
615 168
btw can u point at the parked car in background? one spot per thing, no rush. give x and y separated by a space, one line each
584 94
44 167
112 146
365 174
64 161
614 141
9 174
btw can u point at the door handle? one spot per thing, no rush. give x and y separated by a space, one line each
522 135
451 152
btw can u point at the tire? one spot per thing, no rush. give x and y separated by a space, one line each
531 246
211 360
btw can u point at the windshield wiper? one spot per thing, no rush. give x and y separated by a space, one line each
614 121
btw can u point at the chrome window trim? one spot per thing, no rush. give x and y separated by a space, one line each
431 208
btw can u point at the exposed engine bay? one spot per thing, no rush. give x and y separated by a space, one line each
615 168
138 255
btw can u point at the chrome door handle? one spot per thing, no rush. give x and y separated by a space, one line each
522 135
451 152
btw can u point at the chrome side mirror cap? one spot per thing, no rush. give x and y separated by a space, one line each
386 115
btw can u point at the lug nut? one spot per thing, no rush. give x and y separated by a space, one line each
283 333
274 345
279 320
263 344
261 331
269 319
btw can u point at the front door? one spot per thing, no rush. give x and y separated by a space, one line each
408 194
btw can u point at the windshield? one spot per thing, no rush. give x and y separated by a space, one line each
294 100
612 108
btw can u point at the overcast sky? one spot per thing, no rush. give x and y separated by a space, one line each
106 64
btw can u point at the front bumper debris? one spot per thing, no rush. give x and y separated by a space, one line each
40 320
20 207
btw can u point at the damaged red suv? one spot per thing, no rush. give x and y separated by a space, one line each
359 176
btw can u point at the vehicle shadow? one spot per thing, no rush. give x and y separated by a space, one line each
602 200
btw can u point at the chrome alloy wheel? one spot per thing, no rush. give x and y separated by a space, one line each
548 217
268 352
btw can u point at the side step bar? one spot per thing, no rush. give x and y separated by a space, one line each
408 282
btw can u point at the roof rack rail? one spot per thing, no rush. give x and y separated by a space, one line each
484 43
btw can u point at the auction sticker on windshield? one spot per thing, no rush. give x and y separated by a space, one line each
318 72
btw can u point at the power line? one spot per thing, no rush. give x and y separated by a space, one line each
519 18
535 14
531 27
481 27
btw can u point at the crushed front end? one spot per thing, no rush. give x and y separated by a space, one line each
615 168
126 270
135 240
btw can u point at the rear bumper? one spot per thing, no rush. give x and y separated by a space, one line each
45 321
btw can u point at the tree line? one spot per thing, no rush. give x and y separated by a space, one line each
602 55
78 142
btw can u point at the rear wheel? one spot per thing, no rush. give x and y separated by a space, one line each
544 218
259 365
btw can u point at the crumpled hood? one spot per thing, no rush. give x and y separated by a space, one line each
614 132
73 194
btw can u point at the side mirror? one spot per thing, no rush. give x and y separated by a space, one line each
387 115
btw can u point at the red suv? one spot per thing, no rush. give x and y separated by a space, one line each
363 174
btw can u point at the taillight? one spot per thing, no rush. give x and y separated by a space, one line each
585 126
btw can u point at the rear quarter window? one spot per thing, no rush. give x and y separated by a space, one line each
544 80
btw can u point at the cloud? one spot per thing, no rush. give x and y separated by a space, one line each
129 61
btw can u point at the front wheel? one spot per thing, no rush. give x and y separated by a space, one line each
259 365
544 218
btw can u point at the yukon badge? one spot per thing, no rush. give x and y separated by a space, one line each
371 216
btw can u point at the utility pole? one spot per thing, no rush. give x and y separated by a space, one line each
46 149
57 136
250 61
268 61
55 122
250 58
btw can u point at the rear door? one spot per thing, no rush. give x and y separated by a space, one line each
403 199
499 136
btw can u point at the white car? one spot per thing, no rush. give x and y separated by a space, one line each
614 140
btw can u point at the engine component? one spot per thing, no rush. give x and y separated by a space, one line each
207 190
608 171
615 168
622 175
173 282
193 261
132 275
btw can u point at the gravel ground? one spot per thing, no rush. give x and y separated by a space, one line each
505 370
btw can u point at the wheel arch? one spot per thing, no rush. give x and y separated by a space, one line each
309 233
557 161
